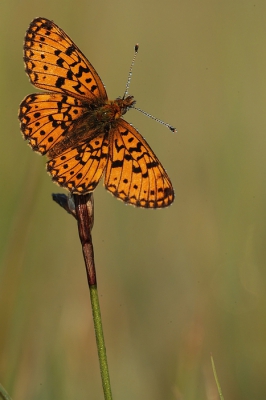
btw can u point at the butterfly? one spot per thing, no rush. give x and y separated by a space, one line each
80 130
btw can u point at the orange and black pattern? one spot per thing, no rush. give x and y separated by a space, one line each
80 130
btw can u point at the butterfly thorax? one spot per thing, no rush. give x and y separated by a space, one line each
94 121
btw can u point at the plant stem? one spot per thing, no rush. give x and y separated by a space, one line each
85 215
3 393
216 379
100 342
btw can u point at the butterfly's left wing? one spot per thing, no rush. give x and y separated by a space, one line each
45 118
54 63
133 173
80 168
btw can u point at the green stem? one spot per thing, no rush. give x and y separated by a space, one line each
3 394
96 312
85 216
216 379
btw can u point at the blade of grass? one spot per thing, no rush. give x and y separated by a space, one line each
3 394
216 379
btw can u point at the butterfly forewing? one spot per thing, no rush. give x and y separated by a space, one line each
53 62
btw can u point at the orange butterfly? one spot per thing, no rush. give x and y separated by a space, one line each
80 130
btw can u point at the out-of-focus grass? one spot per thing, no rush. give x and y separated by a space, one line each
179 283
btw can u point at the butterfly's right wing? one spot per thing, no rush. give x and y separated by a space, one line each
133 172
54 63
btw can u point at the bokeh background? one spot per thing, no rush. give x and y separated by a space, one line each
177 284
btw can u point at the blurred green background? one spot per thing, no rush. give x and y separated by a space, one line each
177 284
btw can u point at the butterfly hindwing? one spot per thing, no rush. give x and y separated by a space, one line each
80 168
45 118
133 173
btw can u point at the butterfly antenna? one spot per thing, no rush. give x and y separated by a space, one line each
130 70
156 119
138 109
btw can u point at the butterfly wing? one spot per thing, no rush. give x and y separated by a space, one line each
53 62
45 118
80 168
133 173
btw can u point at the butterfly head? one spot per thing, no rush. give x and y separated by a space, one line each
125 104
111 111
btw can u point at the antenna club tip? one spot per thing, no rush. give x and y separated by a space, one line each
136 47
172 129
